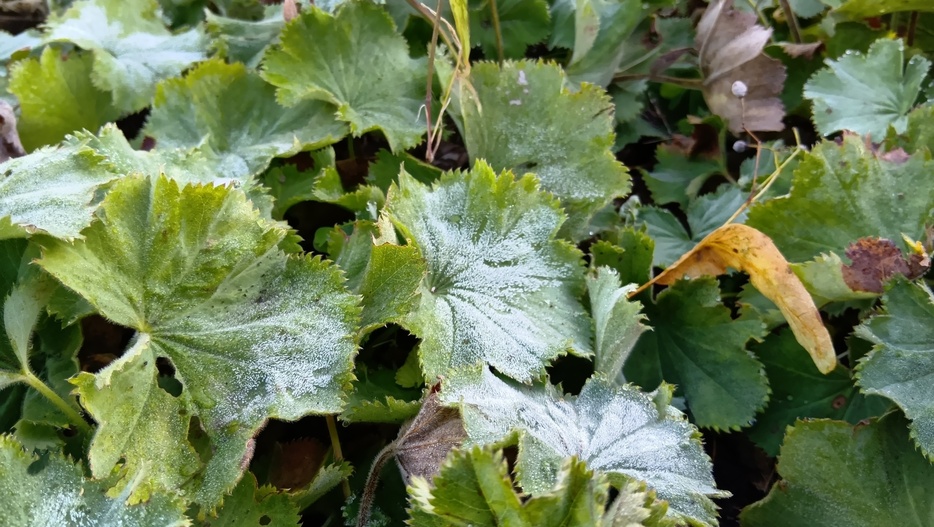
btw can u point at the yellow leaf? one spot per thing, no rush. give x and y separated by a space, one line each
746 249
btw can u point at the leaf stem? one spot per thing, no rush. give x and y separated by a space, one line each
372 481
690 84
912 27
498 31
436 28
336 447
792 21
73 416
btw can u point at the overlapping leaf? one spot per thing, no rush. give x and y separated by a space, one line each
521 24
617 322
500 288
615 429
251 332
356 61
244 40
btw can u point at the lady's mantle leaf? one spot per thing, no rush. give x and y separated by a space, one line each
900 366
132 49
835 474
866 94
617 430
52 491
236 114
356 61
250 506
57 97
500 289
252 333
845 192
525 120
474 488
244 40
697 346
617 321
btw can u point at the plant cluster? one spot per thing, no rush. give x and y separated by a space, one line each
467 262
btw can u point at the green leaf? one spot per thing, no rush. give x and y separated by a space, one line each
525 120
866 94
627 251
474 488
602 29
522 23
289 186
248 506
918 134
899 365
860 9
57 97
27 482
244 40
800 391
235 113
377 398
132 49
841 193
677 178
617 321
54 360
499 289
251 333
327 478
704 215
616 430
836 474
823 278
696 345
356 61
385 170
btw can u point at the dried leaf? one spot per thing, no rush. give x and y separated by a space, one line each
298 463
10 146
425 441
801 50
875 260
748 250
730 45
289 10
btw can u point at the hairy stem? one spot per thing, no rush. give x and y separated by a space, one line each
372 481
73 416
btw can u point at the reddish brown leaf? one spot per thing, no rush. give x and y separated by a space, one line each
425 441
876 260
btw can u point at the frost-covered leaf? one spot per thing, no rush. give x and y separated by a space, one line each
899 366
842 193
57 97
474 488
248 506
525 120
867 93
251 333
704 215
21 311
132 49
232 111
617 321
522 23
836 474
500 289
356 61
51 490
697 346
616 430
800 391
244 40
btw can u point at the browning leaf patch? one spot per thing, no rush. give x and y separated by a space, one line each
876 260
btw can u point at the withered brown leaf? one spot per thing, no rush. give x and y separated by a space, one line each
425 441
730 44
875 260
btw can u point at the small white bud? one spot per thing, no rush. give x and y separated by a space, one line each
739 89
739 147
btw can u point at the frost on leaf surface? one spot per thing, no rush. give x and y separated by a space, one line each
133 50
617 321
866 94
836 474
252 333
697 346
244 40
525 120
357 61
900 366
51 490
500 288
616 430
234 112
841 193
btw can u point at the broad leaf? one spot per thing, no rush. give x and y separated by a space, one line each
235 113
251 333
521 24
525 120
617 321
244 40
248 506
695 345
842 193
500 289
57 97
899 366
676 177
356 61
132 49
615 429
474 488
866 94
27 483
836 474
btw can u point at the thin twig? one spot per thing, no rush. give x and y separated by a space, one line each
429 15
372 482
912 27
792 21
498 31
690 84
429 154
338 453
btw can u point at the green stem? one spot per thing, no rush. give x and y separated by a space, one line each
338 453
792 21
689 84
73 416
912 28
498 30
